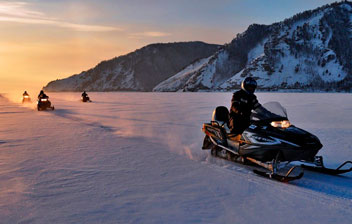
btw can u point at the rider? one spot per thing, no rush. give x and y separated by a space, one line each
42 95
84 94
25 93
242 103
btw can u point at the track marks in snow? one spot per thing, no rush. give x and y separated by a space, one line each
68 114
11 112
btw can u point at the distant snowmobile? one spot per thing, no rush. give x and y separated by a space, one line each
277 149
85 97
44 104
26 98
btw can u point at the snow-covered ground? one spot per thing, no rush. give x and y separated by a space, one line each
137 158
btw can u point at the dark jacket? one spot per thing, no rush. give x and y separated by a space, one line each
42 96
242 104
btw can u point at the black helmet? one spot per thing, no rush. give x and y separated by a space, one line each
249 85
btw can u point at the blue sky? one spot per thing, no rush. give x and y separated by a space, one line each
192 17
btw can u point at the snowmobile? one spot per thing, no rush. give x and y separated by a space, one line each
26 99
85 99
44 103
271 144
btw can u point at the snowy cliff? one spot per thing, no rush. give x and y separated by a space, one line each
137 71
311 51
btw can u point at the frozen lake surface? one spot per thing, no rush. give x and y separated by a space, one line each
137 158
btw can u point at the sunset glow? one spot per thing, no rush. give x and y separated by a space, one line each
175 111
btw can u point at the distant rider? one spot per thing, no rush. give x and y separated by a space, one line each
242 103
26 97
42 95
84 94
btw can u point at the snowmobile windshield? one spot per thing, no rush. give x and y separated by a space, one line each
273 111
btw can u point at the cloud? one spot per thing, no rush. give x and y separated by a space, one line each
78 27
149 34
18 9
19 12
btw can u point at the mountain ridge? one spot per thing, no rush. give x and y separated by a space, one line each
311 50
140 70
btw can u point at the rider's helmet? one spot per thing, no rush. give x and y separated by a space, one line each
249 85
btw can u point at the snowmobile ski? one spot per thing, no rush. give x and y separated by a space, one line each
318 166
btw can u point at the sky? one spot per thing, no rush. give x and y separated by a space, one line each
45 40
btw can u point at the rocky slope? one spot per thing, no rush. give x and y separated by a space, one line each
310 51
137 71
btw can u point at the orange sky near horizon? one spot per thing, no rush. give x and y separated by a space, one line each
32 55
36 48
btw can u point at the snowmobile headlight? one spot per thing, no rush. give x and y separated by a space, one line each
26 96
43 100
281 124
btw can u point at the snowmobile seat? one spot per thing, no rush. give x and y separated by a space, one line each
220 116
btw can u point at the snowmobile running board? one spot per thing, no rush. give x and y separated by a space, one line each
271 168
272 171
278 177
318 166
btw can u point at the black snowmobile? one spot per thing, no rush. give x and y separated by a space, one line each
277 149
85 99
44 104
